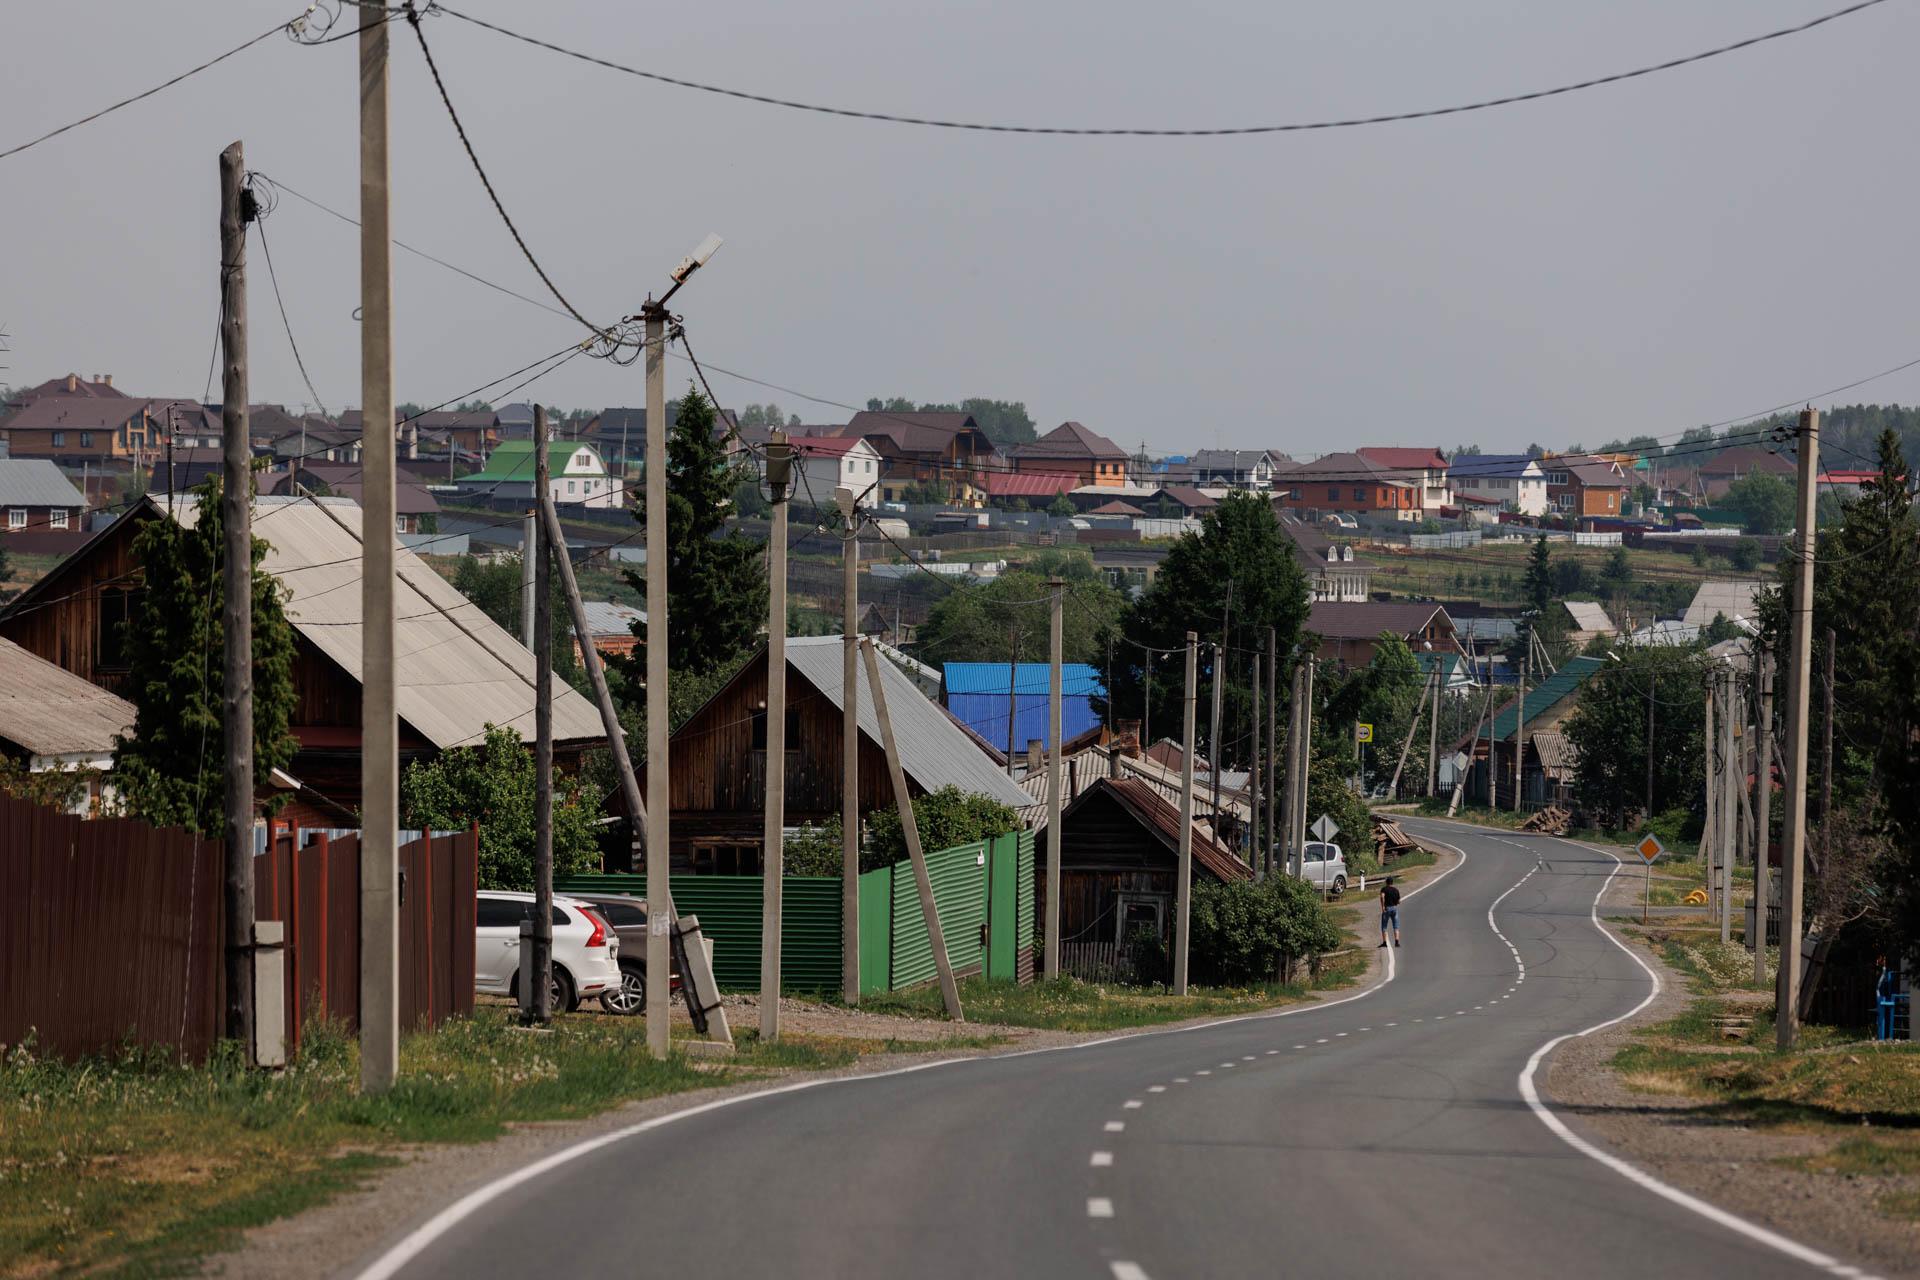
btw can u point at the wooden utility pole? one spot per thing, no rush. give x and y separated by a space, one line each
1253 775
1460 775
659 798
1183 878
773 867
1433 723
379 727
1290 818
1393 787
1710 826
1056 588
1013 689
1273 750
541 1003
529 539
236 510
850 749
1520 725
1729 799
1303 781
1762 803
1799 678
929 912
1215 758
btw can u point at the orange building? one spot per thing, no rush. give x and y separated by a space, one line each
1347 482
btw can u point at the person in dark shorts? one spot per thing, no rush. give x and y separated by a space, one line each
1389 912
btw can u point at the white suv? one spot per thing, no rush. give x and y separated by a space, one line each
1325 865
585 949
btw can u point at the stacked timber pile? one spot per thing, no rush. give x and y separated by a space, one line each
1552 821
1389 841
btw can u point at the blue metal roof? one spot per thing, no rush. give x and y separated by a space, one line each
976 694
1077 679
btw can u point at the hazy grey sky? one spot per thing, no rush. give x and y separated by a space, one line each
1640 257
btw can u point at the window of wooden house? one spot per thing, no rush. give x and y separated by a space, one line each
760 729
725 858
110 643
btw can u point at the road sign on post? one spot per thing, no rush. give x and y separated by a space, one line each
1326 829
1363 733
1649 848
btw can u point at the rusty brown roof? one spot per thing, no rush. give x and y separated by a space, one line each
1162 819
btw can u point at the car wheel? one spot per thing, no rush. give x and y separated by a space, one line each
630 997
560 994
1339 885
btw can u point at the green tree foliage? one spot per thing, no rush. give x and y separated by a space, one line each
54 788
1548 578
814 850
493 784
716 577
1764 501
494 586
1744 555
1618 573
1538 585
1239 551
1242 931
1384 694
1061 508
170 769
763 415
1608 728
1867 591
1004 421
944 818
1009 616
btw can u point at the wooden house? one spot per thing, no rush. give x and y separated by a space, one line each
719 756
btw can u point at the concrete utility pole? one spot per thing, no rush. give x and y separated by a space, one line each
541 1004
1303 781
1826 753
850 748
1460 775
1013 689
529 540
1710 826
1253 775
1183 881
1520 725
1273 748
773 867
1433 723
1729 799
1652 680
379 729
1762 802
236 510
659 797
1056 588
1215 759
929 913
1799 678
1290 818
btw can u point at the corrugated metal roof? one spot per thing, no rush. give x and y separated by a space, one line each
1573 673
1732 598
934 750
606 618
1558 755
1077 679
1588 616
49 711
36 482
456 670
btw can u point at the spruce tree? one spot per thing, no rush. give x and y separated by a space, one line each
170 768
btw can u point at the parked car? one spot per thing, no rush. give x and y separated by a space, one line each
1325 865
1340 520
586 948
628 916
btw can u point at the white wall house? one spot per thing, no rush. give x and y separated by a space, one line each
576 475
821 465
1515 481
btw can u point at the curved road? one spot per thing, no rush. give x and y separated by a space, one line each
1383 1134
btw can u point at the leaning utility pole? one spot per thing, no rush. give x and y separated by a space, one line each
1762 803
850 748
1799 678
659 896
1215 757
773 863
1056 588
1393 787
1183 878
540 1006
236 510
529 540
379 728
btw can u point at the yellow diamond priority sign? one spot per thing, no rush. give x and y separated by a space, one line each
1650 847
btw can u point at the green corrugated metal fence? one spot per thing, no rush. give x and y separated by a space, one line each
959 878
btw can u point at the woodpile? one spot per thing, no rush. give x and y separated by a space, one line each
1389 841
1551 821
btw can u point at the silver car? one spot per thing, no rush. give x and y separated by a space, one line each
1325 867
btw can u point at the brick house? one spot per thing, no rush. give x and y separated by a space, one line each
1346 482
1426 469
1070 447
1583 489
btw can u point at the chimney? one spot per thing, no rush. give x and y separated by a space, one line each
1036 754
1113 761
73 382
106 379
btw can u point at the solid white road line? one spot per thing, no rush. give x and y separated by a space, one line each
1713 1213
1099 1207
1101 1160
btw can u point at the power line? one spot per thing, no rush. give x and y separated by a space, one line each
260 228
1223 131
294 27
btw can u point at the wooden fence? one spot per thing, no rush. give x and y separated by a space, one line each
111 931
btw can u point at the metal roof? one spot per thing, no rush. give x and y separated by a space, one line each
1365 620
49 711
1558 756
455 669
36 482
1077 679
606 618
934 750
1588 616
1573 673
1734 599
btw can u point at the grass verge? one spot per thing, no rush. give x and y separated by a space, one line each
139 1166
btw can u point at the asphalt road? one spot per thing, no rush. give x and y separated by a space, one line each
1385 1135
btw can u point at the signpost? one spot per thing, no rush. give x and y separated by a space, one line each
1649 848
1324 830
1362 735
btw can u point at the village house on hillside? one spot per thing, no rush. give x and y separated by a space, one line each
1350 633
1547 756
822 466
35 497
72 430
1348 483
946 451
576 476
51 719
1718 473
456 670
1089 456
1425 469
1333 571
1581 489
1512 481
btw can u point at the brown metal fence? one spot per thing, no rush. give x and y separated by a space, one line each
111 931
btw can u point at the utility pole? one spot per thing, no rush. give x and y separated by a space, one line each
1652 680
1460 776
1762 803
236 510
1710 828
1799 672
1215 756
1013 688
379 729
529 541
1304 781
1393 787
1273 749
541 1003
909 828
659 896
1433 723
1183 880
850 748
1291 818
1253 775
1056 587
773 862
1519 724
1729 799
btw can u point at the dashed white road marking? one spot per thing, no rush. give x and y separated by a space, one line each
1299 1046
1339 1035
1127 1271
1321 1040
1156 1088
1366 1028
1181 1080
1101 1160
1099 1207
1133 1104
1271 1052
1246 1057
1226 1066
1393 1024
1203 1073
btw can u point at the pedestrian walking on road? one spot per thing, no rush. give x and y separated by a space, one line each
1389 912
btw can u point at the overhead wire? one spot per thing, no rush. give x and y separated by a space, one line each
1349 122
266 207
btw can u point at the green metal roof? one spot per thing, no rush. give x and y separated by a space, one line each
513 460
1573 673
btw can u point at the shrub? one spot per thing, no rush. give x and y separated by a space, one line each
814 850
946 818
1241 931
